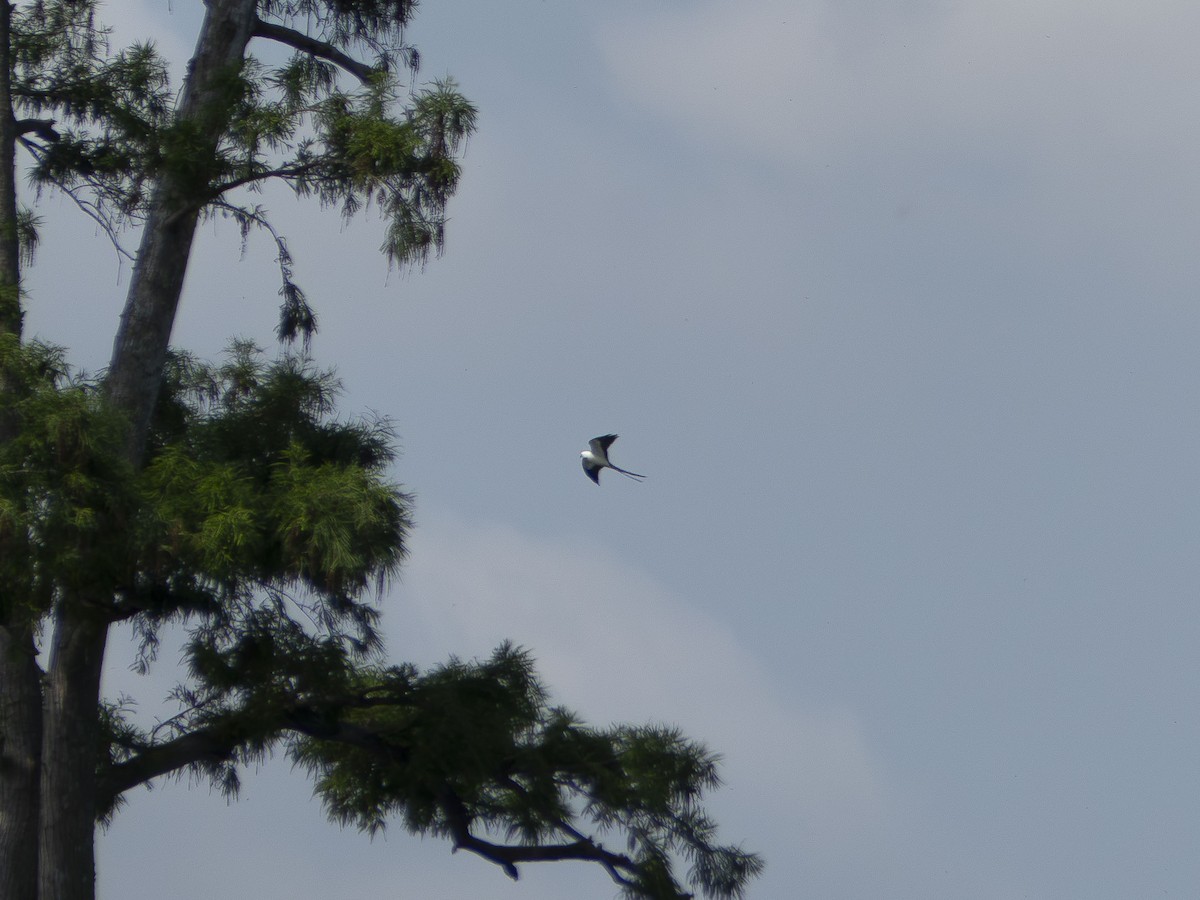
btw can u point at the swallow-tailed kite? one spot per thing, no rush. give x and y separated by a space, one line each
596 459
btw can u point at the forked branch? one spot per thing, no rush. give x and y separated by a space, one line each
620 868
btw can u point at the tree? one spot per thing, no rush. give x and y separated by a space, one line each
231 501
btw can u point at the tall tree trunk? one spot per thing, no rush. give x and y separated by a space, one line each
71 733
20 677
20 756
69 756
10 246
140 349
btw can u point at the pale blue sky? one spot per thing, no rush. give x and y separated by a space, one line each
896 306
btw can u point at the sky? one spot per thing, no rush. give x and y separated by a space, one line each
896 304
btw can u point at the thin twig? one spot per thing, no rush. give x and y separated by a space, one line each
90 208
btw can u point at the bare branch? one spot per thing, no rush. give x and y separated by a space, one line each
305 44
285 173
296 317
507 856
219 742
609 865
93 210
43 128
213 744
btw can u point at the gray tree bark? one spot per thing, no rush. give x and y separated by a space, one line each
140 348
20 684
70 744
20 761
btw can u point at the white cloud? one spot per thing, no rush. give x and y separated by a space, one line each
807 80
171 25
615 645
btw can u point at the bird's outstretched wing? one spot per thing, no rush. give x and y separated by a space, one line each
601 444
592 470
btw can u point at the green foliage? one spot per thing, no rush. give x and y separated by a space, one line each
250 485
346 150
478 746
328 125
65 494
108 109
374 24
464 751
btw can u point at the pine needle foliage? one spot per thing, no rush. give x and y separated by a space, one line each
65 494
349 131
253 486
471 750
96 116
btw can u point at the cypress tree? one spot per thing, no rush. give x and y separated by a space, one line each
231 501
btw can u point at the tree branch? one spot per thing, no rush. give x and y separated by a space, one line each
507 856
284 172
43 128
218 742
215 745
609 865
310 722
305 44
94 210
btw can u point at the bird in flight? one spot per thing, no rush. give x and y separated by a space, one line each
596 459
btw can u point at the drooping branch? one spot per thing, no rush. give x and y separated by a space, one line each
296 317
94 210
219 742
321 49
621 868
613 865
